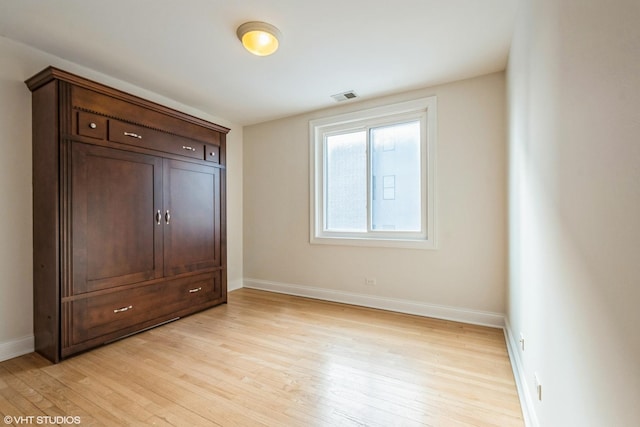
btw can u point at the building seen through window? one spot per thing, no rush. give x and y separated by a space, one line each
394 179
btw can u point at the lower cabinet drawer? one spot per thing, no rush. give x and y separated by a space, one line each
107 314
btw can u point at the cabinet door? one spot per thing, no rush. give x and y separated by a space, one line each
116 232
192 217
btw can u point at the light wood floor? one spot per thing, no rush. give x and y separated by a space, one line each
276 360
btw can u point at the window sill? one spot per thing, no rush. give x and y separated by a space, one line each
376 243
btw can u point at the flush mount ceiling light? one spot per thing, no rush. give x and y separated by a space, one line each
259 38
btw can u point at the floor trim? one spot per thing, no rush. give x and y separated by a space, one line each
476 317
232 285
526 400
16 347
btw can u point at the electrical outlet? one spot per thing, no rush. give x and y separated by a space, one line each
370 281
521 341
538 387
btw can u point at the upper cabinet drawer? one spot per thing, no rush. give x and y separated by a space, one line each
139 136
91 125
109 102
212 153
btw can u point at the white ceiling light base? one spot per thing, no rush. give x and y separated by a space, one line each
259 38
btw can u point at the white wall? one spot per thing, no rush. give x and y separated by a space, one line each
468 271
574 204
20 62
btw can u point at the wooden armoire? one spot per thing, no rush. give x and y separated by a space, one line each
129 227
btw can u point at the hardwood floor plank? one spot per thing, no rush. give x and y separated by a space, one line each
267 359
53 397
14 395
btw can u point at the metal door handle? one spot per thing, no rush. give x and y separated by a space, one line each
158 217
167 216
186 147
193 291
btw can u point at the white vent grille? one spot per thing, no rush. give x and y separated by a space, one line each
344 96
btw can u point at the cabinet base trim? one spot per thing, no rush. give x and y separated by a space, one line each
142 330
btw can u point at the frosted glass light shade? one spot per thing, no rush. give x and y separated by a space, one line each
259 38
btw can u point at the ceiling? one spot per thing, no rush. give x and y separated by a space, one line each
187 50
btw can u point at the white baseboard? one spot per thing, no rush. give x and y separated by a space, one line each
485 318
232 285
17 347
526 400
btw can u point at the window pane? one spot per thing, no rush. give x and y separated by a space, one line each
395 169
346 182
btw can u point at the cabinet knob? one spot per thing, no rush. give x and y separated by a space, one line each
92 125
212 154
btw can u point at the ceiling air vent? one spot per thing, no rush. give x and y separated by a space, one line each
344 96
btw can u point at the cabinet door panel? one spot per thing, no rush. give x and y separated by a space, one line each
116 238
192 234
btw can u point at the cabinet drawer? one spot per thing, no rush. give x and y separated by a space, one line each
139 136
91 125
121 310
212 153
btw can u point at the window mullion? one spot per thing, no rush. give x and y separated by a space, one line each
369 181
323 180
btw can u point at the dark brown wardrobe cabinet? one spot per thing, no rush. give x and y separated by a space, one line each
129 225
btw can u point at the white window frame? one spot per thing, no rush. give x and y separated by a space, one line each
423 109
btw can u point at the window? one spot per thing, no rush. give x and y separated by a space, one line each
373 176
